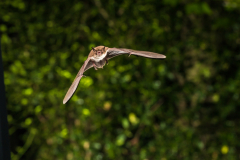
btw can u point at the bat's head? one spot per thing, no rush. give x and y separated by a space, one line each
98 51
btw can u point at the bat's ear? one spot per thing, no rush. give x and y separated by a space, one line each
103 49
93 49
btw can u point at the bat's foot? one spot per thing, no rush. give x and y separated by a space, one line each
129 54
84 76
106 61
94 65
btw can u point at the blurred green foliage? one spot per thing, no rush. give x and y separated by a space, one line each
183 107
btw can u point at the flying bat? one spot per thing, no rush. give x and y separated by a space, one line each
98 57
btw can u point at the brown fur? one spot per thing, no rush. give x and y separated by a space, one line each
98 48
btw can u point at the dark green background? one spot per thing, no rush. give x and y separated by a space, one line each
183 107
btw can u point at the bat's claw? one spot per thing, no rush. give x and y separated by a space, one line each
84 76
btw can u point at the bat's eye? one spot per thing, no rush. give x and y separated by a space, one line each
99 53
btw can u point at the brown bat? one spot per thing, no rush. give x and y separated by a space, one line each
98 57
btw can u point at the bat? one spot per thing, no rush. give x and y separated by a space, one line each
98 57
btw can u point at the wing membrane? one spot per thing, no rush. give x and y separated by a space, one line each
87 65
112 52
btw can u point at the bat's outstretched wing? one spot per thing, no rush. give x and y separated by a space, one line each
87 65
112 52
